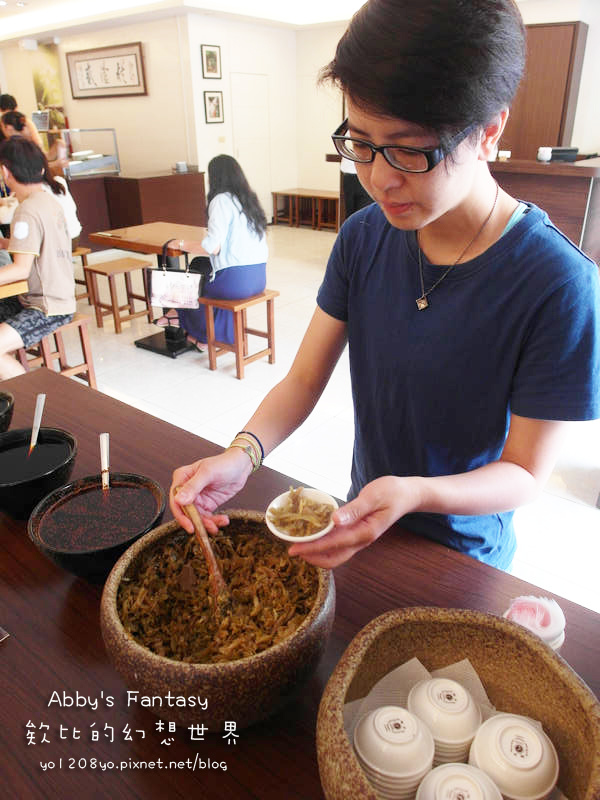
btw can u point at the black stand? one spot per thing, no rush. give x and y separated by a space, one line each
171 342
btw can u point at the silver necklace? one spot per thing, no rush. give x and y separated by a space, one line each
422 301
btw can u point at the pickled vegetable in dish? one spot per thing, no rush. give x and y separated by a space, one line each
165 605
300 516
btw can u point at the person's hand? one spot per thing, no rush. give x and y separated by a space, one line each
207 484
362 521
3 243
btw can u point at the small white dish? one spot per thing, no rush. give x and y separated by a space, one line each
517 755
457 780
312 494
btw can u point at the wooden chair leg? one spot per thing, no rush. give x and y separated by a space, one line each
129 292
46 352
23 360
271 329
60 349
244 331
210 338
114 303
238 343
86 347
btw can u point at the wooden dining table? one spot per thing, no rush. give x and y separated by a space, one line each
55 743
150 239
13 288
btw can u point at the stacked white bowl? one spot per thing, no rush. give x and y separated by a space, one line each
450 781
450 713
517 755
395 750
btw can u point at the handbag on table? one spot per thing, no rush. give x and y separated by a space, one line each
177 288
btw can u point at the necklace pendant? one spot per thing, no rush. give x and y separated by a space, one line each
422 303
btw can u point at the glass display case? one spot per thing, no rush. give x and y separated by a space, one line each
91 151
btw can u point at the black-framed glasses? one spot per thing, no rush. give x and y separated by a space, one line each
407 159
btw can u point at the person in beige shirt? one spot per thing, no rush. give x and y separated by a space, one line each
40 246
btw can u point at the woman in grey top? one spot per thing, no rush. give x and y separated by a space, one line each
40 246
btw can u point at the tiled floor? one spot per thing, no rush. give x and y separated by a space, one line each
558 535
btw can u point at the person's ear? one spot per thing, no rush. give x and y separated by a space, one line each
492 133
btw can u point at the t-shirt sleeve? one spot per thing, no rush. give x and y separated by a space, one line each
332 296
558 375
25 233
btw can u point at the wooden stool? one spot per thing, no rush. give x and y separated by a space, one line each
83 253
240 329
47 351
110 269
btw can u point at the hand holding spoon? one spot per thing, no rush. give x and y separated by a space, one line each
217 586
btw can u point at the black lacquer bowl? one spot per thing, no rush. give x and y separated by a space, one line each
25 479
7 406
85 529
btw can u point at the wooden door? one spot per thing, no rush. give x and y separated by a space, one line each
544 108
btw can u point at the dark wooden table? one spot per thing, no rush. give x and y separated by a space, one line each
55 643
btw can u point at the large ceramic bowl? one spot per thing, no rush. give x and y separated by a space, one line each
521 674
49 466
84 529
7 406
246 690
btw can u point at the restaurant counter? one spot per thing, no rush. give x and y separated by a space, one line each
54 744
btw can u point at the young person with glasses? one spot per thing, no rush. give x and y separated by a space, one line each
472 323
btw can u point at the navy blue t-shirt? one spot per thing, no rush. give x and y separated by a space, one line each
516 328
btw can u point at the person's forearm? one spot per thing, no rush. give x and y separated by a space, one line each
495 487
14 272
283 410
193 247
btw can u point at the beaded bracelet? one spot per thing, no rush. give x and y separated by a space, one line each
250 449
256 439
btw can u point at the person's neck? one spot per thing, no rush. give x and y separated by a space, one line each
25 190
443 240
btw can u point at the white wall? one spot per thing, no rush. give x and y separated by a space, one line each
153 131
319 108
248 49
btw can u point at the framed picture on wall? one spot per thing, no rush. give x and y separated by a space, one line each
213 107
211 60
107 71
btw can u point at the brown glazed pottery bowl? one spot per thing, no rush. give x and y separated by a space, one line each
84 529
520 673
246 690
7 406
24 478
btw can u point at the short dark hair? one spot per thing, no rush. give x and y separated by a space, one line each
27 162
15 119
226 175
442 64
7 102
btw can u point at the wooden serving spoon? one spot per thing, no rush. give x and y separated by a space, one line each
217 586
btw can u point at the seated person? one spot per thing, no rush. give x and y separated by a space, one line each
14 123
236 245
41 249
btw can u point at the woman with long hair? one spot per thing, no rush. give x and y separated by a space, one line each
472 322
40 246
236 245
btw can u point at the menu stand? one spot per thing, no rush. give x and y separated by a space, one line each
171 342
